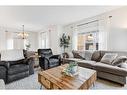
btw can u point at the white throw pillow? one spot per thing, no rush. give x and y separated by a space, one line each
12 55
123 65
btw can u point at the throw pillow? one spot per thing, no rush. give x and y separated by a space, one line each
123 65
65 55
108 58
96 56
119 60
77 55
88 54
12 55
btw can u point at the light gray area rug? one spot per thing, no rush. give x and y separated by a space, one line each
31 82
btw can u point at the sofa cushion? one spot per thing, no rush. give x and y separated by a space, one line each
108 58
86 63
12 55
96 56
15 69
119 60
110 69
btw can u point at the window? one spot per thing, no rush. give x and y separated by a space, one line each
43 39
88 35
10 44
88 41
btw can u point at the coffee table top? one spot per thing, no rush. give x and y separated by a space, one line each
66 82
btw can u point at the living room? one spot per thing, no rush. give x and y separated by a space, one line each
78 34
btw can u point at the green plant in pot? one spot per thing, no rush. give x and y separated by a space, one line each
64 42
71 69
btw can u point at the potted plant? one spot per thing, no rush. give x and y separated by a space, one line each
64 42
28 46
71 69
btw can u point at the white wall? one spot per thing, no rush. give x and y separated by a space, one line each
2 39
118 30
112 31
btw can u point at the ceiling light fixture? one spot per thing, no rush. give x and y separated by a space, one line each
23 34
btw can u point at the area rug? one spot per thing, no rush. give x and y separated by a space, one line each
31 83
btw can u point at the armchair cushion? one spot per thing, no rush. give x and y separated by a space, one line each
15 69
53 62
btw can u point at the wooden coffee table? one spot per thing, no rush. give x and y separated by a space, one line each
53 79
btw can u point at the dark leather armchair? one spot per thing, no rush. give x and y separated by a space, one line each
14 70
47 59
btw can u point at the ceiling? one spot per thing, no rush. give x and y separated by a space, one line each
36 17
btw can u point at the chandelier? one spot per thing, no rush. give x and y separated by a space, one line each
23 34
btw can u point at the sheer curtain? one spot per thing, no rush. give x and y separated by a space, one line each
9 40
104 28
44 39
74 38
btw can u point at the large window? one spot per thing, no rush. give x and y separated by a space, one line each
43 40
88 41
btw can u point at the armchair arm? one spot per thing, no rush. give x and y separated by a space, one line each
55 56
5 64
28 60
44 62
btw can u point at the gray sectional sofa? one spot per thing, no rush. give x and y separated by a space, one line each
92 60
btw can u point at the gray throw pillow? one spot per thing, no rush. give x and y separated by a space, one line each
108 58
88 54
65 55
96 56
77 55
119 60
